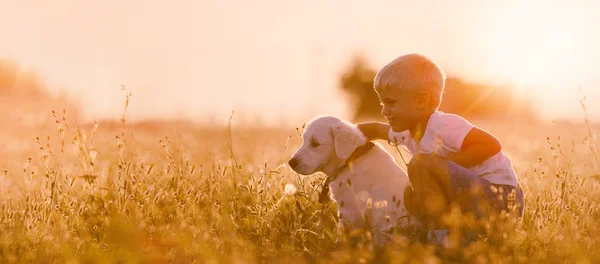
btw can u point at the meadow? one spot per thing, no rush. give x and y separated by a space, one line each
171 191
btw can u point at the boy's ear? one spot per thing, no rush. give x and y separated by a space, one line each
423 100
346 139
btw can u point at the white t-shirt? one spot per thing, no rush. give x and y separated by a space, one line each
444 136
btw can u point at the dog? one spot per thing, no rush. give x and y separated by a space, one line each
365 181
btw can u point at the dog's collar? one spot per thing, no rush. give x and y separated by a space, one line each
362 150
358 152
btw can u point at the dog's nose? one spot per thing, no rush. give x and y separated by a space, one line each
293 162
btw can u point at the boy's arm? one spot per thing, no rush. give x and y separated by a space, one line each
374 130
477 147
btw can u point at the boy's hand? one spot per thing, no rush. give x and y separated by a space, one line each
374 130
477 147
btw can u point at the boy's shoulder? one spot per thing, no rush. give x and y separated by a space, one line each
440 120
441 126
449 128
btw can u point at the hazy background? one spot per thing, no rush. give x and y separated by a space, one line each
280 61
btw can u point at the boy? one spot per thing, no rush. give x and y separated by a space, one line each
454 162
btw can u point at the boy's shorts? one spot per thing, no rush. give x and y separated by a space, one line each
499 197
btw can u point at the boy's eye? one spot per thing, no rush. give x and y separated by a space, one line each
314 143
387 103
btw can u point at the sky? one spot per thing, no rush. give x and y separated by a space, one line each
278 61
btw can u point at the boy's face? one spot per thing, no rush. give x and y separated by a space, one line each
402 109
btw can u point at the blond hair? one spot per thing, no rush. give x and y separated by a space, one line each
412 73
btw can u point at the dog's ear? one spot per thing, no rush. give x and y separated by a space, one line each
346 139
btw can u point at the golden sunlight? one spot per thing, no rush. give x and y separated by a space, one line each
534 47
241 131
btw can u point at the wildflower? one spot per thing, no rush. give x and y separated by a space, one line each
93 154
494 189
289 189
380 204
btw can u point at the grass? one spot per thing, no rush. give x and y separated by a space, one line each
176 192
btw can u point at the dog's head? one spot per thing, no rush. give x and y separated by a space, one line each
327 144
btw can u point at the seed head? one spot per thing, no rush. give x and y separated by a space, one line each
93 154
380 204
289 189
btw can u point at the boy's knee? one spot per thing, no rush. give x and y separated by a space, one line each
422 161
421 174
417 164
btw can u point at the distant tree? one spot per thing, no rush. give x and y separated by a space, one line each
470 100
357 82
25 99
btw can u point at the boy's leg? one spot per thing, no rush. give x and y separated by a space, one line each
438 183
443 183
481 197
430 196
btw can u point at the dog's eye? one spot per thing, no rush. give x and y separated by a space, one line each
314 143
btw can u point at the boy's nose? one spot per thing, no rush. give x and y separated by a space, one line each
384 111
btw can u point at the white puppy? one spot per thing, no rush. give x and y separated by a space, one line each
366 183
